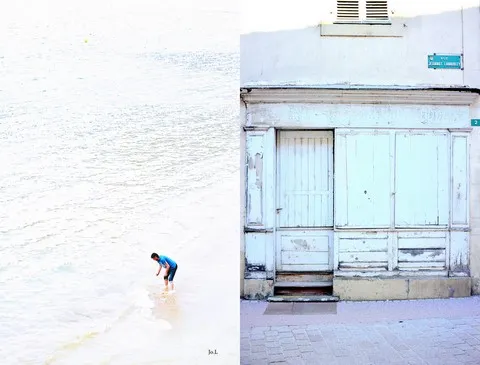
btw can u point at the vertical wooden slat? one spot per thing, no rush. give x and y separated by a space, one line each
311 182
460 174
340 179
291 183
443 178
255 179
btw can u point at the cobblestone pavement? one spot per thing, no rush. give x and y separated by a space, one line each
437 332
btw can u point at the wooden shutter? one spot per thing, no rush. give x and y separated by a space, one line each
348 10
377 10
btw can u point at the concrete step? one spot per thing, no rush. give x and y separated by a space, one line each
303 298
303 284
304 276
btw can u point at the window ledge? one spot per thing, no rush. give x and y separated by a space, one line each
362 30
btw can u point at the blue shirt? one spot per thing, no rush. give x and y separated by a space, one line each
163 260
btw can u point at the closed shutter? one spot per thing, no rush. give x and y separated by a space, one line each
363 179
359 11
377 10
348 10
421 179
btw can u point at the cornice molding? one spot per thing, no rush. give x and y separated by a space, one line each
426 96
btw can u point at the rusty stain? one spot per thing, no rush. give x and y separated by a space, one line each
302 243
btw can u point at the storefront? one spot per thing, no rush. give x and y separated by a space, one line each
357 193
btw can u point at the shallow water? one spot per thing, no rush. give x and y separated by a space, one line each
118 137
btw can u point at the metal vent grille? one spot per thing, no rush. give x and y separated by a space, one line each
348 10
376 10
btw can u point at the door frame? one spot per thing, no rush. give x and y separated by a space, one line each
277 192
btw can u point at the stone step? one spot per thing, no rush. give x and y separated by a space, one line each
303 298
303 284
304 276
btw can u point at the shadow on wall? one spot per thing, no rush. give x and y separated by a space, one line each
395 54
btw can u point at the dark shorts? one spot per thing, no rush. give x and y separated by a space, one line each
171 273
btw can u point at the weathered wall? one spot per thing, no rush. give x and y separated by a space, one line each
301 46
475 202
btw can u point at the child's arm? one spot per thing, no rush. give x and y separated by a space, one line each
159 269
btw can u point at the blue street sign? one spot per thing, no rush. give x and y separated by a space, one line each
445 61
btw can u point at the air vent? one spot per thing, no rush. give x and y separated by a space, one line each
348 10
377 10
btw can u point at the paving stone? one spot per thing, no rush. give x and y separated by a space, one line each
271 344
316 338
274 351
258 348
291 353
286 340
304 349
258 355
430 341
290 346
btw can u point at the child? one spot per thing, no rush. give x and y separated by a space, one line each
170 268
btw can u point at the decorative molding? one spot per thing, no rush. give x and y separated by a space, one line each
465 130
256 128
362 30
269 95
250 229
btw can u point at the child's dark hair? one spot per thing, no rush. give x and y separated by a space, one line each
154 256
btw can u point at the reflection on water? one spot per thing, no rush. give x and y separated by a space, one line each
119 138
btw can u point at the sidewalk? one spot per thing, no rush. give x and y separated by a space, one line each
433 332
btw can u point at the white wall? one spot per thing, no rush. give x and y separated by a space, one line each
296 43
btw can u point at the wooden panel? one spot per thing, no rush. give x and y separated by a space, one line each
460 175
422 242
304 250
305 178
421 179
270 203
305 258
363 257
363 175
414 266
255 250
366 250
459 251
370 266
255 178
362 245
305 243
421 255
318 115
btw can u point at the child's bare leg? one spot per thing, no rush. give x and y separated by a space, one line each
166 282
173 287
